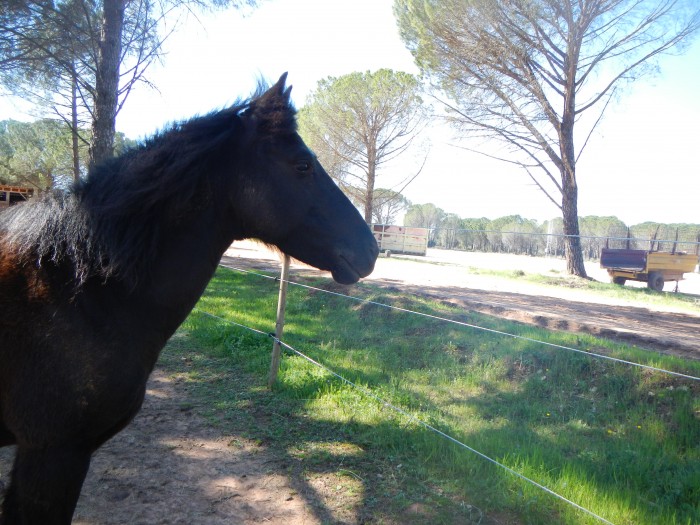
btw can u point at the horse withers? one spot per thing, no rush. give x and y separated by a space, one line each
93 281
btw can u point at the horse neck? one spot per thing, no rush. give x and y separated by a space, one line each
187 259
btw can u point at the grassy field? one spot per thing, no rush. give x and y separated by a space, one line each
621 441
546 272
683 301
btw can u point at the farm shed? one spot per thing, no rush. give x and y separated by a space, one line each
401 239
11 194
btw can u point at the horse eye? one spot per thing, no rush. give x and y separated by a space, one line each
303 167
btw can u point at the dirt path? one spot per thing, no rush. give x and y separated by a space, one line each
171 467
667 332
447 277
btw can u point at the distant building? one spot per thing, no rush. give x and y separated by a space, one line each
10 195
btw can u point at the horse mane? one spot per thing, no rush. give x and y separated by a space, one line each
110 223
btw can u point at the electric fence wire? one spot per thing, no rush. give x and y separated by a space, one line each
410 416
482 328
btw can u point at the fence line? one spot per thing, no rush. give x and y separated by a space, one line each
477 327
410 416
563 235
549 243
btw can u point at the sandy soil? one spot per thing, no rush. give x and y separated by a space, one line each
170 467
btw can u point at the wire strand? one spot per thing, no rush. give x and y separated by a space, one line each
411 417
482 328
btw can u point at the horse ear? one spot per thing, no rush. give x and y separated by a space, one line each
272 112
280 86
277 93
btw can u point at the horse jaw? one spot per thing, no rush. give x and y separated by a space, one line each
343 269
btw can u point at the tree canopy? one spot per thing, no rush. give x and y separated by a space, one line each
36 155
387 205
80 59
530 72
359 122
39 154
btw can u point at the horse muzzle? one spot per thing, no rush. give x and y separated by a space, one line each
351 265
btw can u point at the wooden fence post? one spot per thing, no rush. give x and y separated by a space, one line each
279 326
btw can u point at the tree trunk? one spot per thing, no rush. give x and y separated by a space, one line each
569 204
572 239
369 199
371 176
107 81
74 128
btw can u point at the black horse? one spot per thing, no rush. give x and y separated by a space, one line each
95 280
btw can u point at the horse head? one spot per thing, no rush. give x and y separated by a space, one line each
289 200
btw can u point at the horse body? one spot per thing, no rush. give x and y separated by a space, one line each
93 284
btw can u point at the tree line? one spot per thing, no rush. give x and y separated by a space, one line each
40 154
518 235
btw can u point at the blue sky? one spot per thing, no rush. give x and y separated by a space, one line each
640 165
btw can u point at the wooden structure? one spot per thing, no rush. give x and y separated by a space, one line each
11 194
654 268
401 239
279 325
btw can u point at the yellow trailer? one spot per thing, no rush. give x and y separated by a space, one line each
654 268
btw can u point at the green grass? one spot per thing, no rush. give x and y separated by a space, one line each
630 293
554 278
621 441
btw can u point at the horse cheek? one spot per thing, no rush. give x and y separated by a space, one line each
273 209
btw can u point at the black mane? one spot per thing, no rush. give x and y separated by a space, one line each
110 223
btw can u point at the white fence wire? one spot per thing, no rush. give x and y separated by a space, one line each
411 417
482 328
414 418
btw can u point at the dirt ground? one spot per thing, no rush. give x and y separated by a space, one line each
455 276
170 467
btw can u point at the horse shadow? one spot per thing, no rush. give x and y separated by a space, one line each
183 460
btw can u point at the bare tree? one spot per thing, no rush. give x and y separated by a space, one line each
527 72
359 122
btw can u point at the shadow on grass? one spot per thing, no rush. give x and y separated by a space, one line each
334 467
562 421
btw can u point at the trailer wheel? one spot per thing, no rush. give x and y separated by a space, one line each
655 281
619 280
